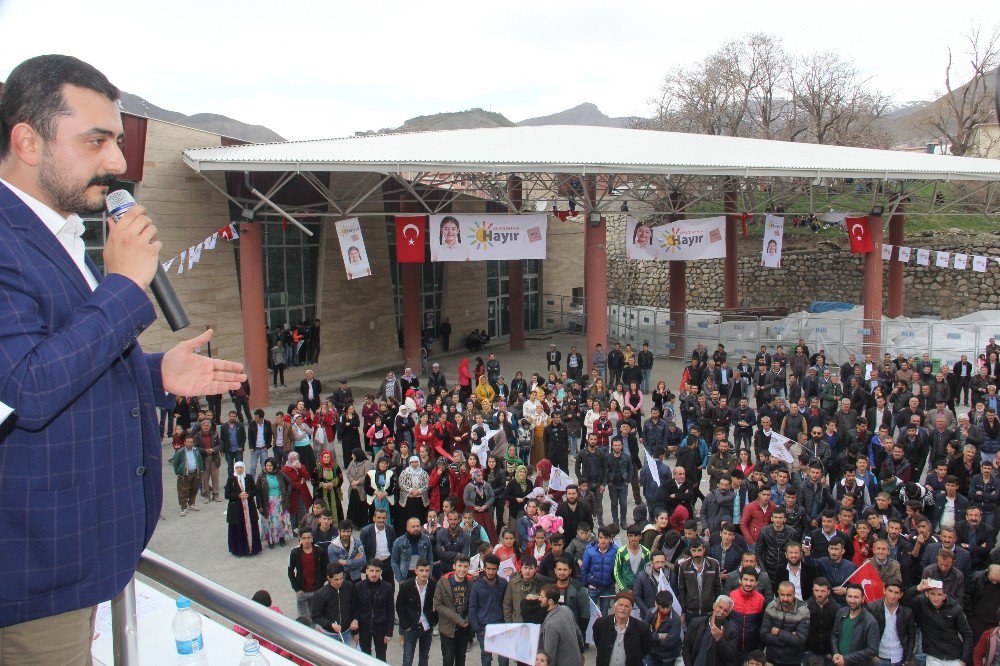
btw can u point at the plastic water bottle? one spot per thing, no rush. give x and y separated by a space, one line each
252 655
187 634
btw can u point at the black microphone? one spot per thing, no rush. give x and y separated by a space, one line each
118 202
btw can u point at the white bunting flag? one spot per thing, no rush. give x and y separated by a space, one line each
943 259
180 267
194 256
886 251
979 264
904 253
210 242
507 568
961 261
654 469
923 257
168 264
595 615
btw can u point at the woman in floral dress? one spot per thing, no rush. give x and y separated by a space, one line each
328 480
272 505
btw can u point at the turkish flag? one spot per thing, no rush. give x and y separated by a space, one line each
410 232
859 234
867 577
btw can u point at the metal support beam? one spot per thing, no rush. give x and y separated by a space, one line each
595 275
730 295
897 224
515 273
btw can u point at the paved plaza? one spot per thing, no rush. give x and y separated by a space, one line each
198 541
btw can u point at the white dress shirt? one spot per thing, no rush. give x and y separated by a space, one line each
67 230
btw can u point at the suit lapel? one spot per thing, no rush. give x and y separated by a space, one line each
19 216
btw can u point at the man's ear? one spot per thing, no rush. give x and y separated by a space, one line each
26 144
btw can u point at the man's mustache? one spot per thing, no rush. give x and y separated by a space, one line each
102 181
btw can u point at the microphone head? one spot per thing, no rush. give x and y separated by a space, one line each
118 202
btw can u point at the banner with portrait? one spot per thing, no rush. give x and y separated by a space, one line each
774 233
487 237
682 240
352 247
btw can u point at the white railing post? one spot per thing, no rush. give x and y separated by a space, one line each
123 627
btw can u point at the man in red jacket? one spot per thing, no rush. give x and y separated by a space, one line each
757 516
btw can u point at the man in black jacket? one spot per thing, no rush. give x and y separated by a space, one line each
373 599
333 606
889 607
645 362
945 631
822 615
310 390
616 365
714 636
553 360
306 566
638 638
415 613
556 438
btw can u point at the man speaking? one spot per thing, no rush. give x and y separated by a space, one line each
80 469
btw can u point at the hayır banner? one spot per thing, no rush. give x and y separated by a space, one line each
483 237
682 240
774 232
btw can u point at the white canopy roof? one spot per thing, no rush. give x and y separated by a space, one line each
587 150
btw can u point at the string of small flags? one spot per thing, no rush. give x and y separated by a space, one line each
190 257
958 261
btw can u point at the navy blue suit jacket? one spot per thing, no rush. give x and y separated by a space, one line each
80 478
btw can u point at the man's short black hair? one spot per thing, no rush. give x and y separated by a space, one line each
33 94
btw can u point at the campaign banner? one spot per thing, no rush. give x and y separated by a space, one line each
352 247
487 237
682 240
774 233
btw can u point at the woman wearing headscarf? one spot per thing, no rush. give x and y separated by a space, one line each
517 491
536 411
377 435
464 380
413 492
328 480
357 502
325 422
272 504
244 532
299 497
380 489
347 430
442 482
496 476
302 441
484 391
408 381
478 496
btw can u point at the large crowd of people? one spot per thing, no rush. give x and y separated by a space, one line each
740 508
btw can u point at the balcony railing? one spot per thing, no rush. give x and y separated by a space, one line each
284 632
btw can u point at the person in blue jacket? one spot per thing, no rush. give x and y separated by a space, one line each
598 570
80 458
407 549
486 605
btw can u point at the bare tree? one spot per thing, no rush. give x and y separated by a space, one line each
832 104
954 117
754 88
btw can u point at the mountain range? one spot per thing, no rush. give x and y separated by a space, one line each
210 122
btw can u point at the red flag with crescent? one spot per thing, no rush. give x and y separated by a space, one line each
859 234
410 237
867 577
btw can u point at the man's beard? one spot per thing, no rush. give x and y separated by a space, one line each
65 196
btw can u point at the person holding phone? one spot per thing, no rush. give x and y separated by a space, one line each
712 640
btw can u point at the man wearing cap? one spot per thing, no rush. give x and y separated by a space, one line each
436 381
342 397
553 359
945 631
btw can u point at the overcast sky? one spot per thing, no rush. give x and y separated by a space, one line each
325 69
